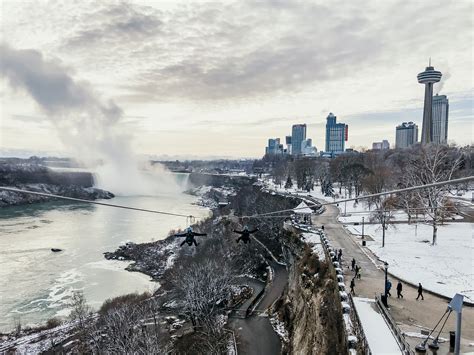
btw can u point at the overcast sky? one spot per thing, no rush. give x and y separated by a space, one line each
218 79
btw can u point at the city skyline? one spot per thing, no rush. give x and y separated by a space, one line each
235 91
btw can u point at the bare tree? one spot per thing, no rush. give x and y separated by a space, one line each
280 171
433 163
384 213
81 312
202 285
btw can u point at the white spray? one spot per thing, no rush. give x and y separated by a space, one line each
88 126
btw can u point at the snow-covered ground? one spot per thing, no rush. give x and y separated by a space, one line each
279 328
446 268
314 240
379 336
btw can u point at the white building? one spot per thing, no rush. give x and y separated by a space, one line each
406 135
307 148
383 145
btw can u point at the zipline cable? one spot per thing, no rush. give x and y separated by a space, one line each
11 189
441 183
412 188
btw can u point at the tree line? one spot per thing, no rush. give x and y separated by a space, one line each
355 174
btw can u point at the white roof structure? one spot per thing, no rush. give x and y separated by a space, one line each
303 208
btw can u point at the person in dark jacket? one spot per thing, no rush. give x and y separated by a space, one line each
352 286
353 263
399 290
388 287
189 234
420 292
339 255
245 234
357 270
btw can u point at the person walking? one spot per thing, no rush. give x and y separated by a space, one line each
339 255
399 290
353 262
420 292
352 286
388 287
359 271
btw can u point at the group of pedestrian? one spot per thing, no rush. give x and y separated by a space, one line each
388 287
356 268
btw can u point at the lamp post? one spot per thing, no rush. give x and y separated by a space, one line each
362 228
385 264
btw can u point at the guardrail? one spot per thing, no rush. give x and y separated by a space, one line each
357 326
234 342
359 329
399 337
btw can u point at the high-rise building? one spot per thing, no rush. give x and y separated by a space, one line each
336 135
288 144
439 120
428 78
274 147
406 135
298 135
383 145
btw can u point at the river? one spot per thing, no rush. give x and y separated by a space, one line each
36 284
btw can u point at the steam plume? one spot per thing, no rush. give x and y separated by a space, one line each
87 125
444 78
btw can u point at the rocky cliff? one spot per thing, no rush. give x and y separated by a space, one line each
310 306
35 177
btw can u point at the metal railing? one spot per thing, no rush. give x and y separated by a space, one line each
357 327
398 334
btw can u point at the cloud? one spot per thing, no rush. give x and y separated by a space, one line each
239 65
51 85
119 23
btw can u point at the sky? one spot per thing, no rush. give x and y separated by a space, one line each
217 79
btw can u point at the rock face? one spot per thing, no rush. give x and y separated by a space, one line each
34 177
310 306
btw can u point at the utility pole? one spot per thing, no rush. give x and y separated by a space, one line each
386 282
362 227
383 229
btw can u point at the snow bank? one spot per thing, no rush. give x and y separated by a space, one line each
314 240
279 328
377 332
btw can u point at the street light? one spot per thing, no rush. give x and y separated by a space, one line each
385 264
362 227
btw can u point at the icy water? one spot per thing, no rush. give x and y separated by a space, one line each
36 284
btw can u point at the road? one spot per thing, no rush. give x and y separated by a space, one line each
255 335
410 314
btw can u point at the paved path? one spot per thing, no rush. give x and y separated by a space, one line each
408 313
255 335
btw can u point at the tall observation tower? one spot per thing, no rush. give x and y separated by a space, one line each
428 77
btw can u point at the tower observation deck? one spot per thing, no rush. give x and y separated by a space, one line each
428 78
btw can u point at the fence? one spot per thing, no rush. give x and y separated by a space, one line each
357 326
404 346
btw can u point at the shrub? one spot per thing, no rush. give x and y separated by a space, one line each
118 302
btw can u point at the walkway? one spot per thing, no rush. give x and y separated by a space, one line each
255 335
411 315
